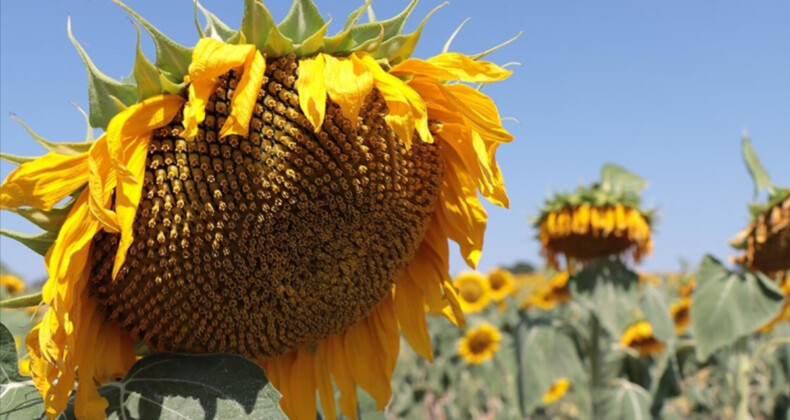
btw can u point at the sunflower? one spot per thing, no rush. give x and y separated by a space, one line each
556 391
681 314
597 221
548 295
687 287
273 192
12 284
472 291
479 343
501 284
766 241
784 314
639 336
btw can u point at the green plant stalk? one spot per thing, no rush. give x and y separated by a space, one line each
22 301
520 336
593 353
743 371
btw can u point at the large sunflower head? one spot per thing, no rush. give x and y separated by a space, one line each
473 291
639 336
274 192
479 344
598 221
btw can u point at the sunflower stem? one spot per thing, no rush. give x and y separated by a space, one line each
521 335
22 301
593 354
743 370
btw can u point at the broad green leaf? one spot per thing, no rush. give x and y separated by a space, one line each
548 355
727 305
618 180
668 384
171 57
102 89
205 386
609 290
622 400
302 21
145 74
655 309
53 146
38 242
215 28
19 399
755 167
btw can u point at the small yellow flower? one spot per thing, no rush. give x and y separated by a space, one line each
681 314
556 391
687 288
12 284
473 291
479 344
639 337
501 284
24 366
553 292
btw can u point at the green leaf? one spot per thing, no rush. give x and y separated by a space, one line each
609 290
205 386
145 74
171 57
38 242
655 309
215 28
618 180
302 21
55 147
755 167
669 383
622 400
19 399
727 305
259 29
548 355
102 89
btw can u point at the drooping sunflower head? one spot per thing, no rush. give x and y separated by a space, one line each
501 284
274 192
766 241
681 314
599 221
556 391
473 291
479 344
639 336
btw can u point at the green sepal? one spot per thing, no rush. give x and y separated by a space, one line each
38 242
88 129
353 18
49 220
25 301
302 22
145 74
618 180
259 29
401 47
755 167
101 87
496 47
368 46
172 58
117 102
313 44
392 26
16 160
450 40
215 28
55 147
777 197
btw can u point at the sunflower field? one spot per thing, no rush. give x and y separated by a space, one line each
259 226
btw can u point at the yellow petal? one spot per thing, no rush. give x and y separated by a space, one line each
302 386
312 90
411 316
407 110
323 381
44 182
278 371
348 83
452 66
210 60
384 324
366 365
341 371
128 193
101 183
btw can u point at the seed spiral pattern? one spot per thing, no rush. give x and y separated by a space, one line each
262 244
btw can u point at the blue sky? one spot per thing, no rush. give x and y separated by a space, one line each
662 88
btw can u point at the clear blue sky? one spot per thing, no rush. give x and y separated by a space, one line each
663 88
